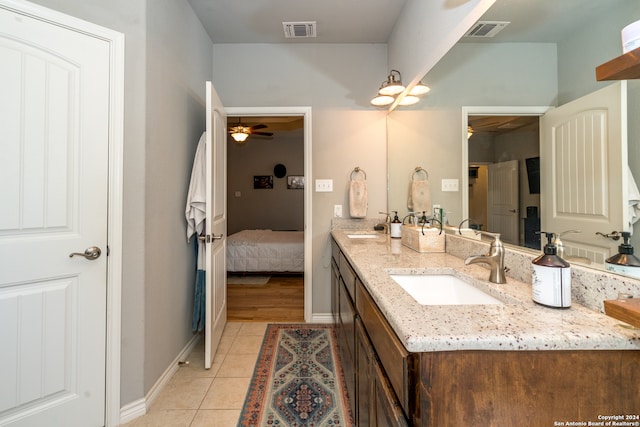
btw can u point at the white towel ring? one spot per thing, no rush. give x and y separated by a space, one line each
357 170
416 171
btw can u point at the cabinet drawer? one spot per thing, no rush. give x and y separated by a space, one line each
392 354
348 276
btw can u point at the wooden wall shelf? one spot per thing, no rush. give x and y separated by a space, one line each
624 67
627 310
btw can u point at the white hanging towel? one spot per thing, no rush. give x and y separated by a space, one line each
358 197
195 212
419 193
634 201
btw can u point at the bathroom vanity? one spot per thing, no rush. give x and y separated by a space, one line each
505 364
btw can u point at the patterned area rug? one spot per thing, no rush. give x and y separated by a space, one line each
297 380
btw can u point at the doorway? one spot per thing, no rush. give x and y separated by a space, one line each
280 181
499 145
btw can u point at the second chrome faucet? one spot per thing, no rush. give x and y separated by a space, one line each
495 259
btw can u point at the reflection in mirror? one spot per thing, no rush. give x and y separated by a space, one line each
544 57
505 151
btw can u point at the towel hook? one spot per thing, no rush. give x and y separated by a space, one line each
357 170
417 170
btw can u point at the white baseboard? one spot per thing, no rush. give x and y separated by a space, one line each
140 407
321 318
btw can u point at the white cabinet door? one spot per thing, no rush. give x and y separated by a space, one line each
54 135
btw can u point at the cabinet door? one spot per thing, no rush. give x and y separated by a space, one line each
335 291
346 340
388 411
365 356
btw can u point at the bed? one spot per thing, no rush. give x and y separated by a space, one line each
265 251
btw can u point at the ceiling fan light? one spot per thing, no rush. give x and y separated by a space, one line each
409 100
382 100
239 137
419 89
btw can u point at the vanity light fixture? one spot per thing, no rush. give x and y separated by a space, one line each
391 88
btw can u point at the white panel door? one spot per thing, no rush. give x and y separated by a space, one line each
583 172
216 224
54 130
503 201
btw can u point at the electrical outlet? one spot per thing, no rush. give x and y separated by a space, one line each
337 211
449 185
324 185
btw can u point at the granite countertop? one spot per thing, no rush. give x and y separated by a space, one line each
517 324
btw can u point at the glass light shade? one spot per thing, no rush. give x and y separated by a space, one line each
419 89
391 88
469 132
239 136
382 100
409 100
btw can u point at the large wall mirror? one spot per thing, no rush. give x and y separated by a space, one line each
544 58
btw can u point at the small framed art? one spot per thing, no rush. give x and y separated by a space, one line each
295 182
263 181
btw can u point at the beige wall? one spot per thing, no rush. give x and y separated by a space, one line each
337 81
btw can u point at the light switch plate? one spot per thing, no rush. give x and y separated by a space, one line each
337 211
324 185
449 185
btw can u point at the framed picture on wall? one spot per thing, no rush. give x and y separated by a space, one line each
262 181
295 182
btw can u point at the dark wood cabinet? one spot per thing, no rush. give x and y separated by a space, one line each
389 386
378 404
372 394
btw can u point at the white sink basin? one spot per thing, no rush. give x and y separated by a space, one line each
362 236
442 289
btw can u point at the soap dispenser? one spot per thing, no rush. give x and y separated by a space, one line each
624 262
551 277
396 226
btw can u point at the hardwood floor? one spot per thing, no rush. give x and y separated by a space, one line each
280 300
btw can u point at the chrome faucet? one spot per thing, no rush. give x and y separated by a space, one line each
495 259
470 221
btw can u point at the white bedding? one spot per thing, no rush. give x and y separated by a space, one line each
265 251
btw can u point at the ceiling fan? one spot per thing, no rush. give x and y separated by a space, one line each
240 133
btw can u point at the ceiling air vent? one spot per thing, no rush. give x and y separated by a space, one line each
486 28
296 30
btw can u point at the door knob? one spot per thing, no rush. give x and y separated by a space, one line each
90 253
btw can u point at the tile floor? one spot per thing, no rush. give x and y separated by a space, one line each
197 397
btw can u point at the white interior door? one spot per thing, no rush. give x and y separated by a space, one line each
583 172
503 201
216 224
54 135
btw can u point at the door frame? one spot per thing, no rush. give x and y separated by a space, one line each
486 111
308 193
115 187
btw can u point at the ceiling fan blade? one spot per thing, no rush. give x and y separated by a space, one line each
262 133
259 126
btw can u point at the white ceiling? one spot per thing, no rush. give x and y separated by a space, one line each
260 21
371 21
